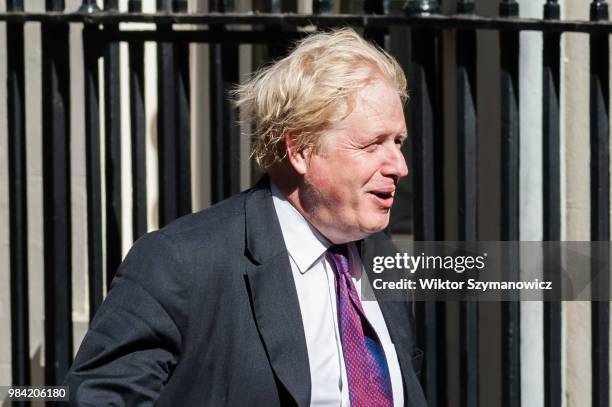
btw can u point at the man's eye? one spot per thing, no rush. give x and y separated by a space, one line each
372 147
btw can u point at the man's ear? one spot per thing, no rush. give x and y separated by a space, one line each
297 159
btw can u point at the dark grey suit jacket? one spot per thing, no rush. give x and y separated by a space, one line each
205 313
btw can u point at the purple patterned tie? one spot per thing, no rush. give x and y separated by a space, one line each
367 372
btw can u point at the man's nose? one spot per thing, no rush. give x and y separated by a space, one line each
395 163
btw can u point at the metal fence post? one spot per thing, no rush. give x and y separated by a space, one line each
511 351
424 85
89 6
322 6
552 204
423 121
225 142
173 123
95 259
600 204
112 139
18 206
56 196
166 86
375 34
467 161
182 120
138 131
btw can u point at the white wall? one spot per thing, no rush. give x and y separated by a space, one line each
530 92
576 200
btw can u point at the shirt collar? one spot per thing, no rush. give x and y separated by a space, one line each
304 243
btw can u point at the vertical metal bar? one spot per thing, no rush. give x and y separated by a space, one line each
166 126
552 204
466 128
423 83
89 6
430 320
468 196
273 6
323 6
600 202
173 123
373 7
225 132
112 109
509 49
421 7
551 125
182 131
375 34
138 131
279 47
18 205
92 48
56 196
179 6
423 126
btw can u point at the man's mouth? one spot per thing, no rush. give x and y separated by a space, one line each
383 198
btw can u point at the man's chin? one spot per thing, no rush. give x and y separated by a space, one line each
377 225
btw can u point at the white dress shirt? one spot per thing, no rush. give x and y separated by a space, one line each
314 281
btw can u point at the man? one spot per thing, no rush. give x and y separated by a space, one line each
255 301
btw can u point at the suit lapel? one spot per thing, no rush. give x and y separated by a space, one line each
274 296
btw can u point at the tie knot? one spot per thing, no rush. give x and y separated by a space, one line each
338 254
340 249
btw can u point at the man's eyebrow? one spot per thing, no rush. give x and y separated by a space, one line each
383 135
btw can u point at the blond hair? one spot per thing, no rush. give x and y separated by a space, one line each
301 94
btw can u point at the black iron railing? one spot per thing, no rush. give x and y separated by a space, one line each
274 27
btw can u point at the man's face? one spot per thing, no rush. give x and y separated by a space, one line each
351 181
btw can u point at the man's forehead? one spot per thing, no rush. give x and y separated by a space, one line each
377 108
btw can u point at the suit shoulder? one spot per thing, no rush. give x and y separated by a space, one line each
225 216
